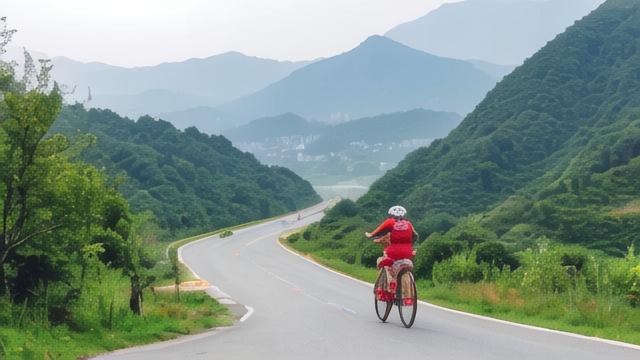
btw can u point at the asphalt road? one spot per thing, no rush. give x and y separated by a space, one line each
302 311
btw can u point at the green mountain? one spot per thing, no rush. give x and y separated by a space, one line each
205 118
189 180
385 129
274 127
554 149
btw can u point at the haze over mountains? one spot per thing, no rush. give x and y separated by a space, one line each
170 86
378 76
350 154
296 102
497 31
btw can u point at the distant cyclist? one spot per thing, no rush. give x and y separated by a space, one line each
402 236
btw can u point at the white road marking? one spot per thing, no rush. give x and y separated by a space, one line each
343 308
530 327
262 237
216 293
248 314
226 301
163 344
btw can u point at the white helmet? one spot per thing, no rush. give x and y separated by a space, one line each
398 211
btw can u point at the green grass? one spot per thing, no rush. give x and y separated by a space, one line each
603 317
94 329
90 334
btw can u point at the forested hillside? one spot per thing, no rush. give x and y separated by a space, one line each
274 127
561 132
189 180
386 128
530 209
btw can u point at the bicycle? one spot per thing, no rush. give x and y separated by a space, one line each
403 294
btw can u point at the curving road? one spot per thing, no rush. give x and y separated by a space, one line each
299 310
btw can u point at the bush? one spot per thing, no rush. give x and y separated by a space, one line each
437 223
634 291
496 254
370 254
348 256
345 208
432 250
307 234
293 238
470 232
329 244
543 270
458 268
349 228
577 258
226 233
523 236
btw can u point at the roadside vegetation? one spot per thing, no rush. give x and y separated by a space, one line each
76 263
547 284
528 210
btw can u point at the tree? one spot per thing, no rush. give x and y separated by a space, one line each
137 260
26 160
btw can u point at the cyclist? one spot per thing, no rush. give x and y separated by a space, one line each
401 239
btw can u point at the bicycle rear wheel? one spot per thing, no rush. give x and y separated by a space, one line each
407 298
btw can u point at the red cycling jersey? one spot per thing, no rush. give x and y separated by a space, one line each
401 238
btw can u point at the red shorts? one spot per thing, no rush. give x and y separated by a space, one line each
396 252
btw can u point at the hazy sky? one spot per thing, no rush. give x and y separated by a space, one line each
147 32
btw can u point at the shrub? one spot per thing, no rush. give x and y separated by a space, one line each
433 250
348 256
328 244
293 238
307 234
345 208
349 228
370 254
496 254
523 236
458 268
577 258
634 290
436 223
226 233
543 270
471 232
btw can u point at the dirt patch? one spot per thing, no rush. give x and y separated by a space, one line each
194 285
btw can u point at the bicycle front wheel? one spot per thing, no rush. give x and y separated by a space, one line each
407 298
383 308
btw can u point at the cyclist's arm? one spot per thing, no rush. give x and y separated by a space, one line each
383 229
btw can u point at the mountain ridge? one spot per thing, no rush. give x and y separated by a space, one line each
526 137
378 76
504 32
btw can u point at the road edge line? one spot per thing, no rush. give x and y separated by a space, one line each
248 314
250 310
482 317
